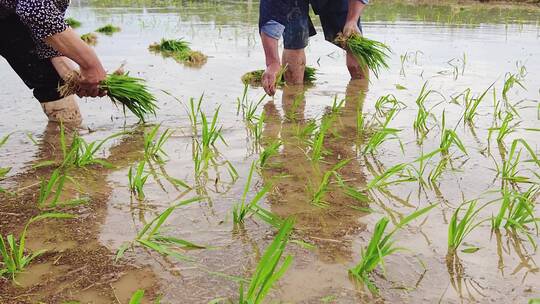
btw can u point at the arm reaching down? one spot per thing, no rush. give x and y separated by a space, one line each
356 7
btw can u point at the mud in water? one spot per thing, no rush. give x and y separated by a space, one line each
452 48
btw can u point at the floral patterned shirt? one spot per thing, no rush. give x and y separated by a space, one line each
43 18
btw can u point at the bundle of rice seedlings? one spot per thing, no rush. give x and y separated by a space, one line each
254 78
73 23
108 29
89 38
370 54
179 50
130 92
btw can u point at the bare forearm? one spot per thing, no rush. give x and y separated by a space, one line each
355 10
70 45
271 50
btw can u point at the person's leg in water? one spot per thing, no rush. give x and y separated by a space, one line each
332 24
295 40
39 75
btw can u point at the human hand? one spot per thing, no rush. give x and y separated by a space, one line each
89 81
350 28
269 78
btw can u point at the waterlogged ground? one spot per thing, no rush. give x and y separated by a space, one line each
452 48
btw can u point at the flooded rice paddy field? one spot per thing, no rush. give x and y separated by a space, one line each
458 52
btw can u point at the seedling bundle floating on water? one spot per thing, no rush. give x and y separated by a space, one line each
130 92
108 29
370 54
89 38
179 50
254 78
73 23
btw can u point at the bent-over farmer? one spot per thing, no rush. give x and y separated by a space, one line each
290 19
36 41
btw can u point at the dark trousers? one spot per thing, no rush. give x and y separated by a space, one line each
18 48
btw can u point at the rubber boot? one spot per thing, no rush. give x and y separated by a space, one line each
65 110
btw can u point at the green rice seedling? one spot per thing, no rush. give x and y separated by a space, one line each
243 100
73 23
305 132
380 246
194 112
269 270
350 191
319 194
382 134
459 229
108 29
439 169
316 145
337 105
371 54
180 50
137 297
291 113
56 182
249 110
89 38
422 115
449 138
153 146
130 92
151 237
246 208
205 151
257 130
137 178
472 103
510 81
505 128
269 151
383 180
14 258
254 78
517 210
386 103
510 168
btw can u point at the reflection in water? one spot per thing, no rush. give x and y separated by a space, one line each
293 174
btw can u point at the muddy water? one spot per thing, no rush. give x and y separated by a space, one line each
452 48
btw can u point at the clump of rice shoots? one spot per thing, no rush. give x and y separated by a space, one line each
89 38
370 54
254 78
108 29
180 50
73 23
130 92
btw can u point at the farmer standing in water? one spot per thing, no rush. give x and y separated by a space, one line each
290 19
37 42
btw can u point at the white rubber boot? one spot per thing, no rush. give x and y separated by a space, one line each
64 110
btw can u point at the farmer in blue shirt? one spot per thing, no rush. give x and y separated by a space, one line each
290 19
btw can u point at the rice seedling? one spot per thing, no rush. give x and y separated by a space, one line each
137 297
422 115
246 208
14 258
351 192
510 81
337 105
319 194
73 23
380 246
386 103
53 188
517 210
137 179
449 138
269 151
254 78
151 237
249 110
130 92
383 180
509 170
153 146
108 29
370 54
384 133
472 103
269 270
89 38
459 229
316 145
180 50
306 131
291 113
505 128
204 147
